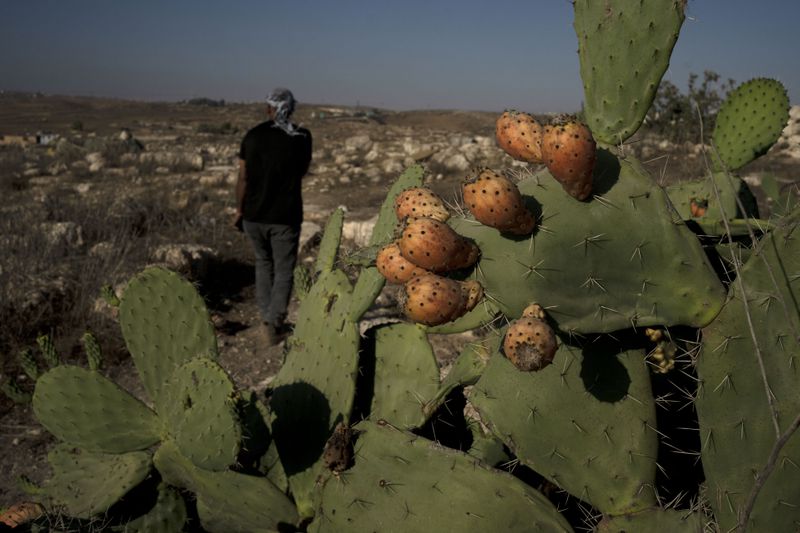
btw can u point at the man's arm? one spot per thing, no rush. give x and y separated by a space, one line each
241 188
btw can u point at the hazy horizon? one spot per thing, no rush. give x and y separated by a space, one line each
414 55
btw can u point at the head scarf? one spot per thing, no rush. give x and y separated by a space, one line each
282 101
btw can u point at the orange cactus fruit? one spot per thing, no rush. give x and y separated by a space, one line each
433 300
569 152
420 202
20 514
495 201
520 136
530 343
698 207
434 246
394 267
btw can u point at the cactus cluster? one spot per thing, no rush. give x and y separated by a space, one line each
595 288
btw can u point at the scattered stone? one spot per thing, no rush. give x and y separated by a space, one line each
62 235
359 231
191 260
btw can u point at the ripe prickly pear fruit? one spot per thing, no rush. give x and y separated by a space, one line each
495 201
520 136
433 300
420 202
434 246
698 207
394 267
530 343
569 151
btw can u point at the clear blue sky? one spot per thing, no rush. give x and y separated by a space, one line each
411 54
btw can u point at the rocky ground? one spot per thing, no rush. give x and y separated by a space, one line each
125 184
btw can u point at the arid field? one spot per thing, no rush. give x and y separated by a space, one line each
112 186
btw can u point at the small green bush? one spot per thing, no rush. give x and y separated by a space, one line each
674 114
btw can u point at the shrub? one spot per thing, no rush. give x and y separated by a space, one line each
674 114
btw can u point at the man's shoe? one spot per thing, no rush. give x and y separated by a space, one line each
269 335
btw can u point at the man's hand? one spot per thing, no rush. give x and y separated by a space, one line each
237 221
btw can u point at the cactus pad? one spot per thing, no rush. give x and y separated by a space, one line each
624 48
402 482
315 388
94 355
696 201
167 515
750 121
88 483
736 421
608 264
227 501
655 521
586 422
199 411
406 375
165 323
466 369
383 232
85 409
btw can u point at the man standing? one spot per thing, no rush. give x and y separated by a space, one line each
273 159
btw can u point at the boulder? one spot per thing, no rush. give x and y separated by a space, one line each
359 231
62 235
358 143
191 260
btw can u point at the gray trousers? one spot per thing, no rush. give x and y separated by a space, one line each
275 247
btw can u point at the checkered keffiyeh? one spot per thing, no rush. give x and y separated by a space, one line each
283 102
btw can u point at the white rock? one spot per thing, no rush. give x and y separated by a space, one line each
359 231
62 234
213 180
308 231
83 188
373 154
392 166
192 260
102 249
95 157
411 145
358 143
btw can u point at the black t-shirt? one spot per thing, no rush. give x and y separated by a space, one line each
276 163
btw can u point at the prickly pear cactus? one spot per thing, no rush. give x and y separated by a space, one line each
710 202
227 501
586 422
656 521
748 406
165 324
624 48
105 427
402 482
167 515
88 483
593 277
107 419
200 412
315 388
406 375
749 122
